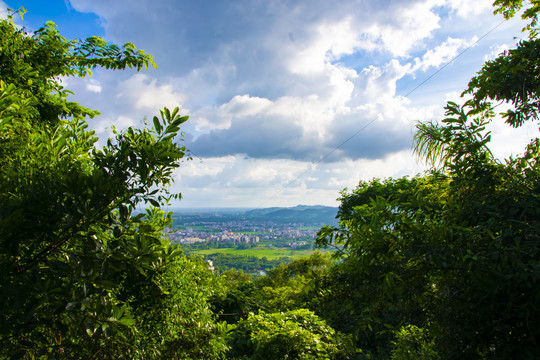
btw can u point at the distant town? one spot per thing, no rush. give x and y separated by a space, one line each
190 236
284 227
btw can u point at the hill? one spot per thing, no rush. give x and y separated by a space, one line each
316 214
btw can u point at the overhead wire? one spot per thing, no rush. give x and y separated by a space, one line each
371 121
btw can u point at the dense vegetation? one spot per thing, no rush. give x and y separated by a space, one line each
445 265
81 276
247 263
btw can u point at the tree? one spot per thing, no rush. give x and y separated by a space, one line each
298 334
447 263
83 275
285 288
384 277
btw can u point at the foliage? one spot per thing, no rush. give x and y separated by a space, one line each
298 334
379 285
509 8
455 252
33 63
491 226
248 263
446 264
514 78
413 343
83 275
178 322
289 286
286 287
234 301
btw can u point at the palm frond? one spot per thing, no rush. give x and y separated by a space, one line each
429 143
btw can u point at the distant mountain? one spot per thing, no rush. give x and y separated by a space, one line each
313 215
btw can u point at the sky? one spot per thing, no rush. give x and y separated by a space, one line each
290 102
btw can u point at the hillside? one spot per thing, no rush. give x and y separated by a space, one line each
313 215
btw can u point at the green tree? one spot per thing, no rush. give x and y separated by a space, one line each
298 334
447 264
284 288
382 281
83 276
291 286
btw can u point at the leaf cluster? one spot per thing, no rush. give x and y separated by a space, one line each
444 265
86 274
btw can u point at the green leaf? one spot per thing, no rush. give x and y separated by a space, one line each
157 125
154 202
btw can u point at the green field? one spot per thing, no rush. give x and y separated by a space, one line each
260 252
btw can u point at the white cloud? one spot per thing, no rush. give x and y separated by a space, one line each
377 83
467 8
93 86
408 27
442 54
145 93
273 87
3 10
260 183
331 41
123 122
244 106
198 168
120 122
507 142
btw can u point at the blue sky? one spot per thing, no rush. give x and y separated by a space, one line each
275 89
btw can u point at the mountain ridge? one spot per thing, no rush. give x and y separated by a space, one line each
300 214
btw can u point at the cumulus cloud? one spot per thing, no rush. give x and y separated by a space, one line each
442 53
407 27
278 88
261 183
330 42
144 92
93 86
274 86
467 8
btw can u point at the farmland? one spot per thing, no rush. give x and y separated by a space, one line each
270 253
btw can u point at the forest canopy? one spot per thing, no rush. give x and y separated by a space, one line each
445 265
83 276
442 265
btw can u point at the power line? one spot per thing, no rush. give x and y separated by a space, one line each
453 59
375 118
